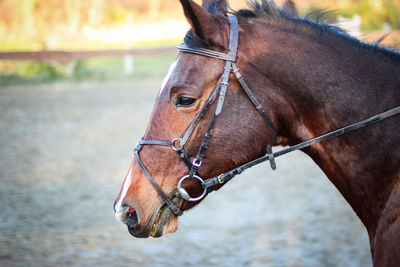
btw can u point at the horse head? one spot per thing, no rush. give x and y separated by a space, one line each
184 114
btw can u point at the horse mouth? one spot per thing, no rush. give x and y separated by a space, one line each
158 223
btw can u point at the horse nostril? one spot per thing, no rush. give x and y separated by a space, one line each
131 218
127 215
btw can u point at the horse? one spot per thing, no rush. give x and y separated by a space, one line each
247 80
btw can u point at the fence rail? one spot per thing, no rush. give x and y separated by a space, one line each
66 57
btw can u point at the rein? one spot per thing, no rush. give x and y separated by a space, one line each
218 94
270 156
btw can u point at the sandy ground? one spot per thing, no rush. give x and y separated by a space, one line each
64 150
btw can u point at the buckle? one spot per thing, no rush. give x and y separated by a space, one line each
219 178
271 157
197 162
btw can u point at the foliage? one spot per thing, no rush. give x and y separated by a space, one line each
28 72
15 72
39 19
393 13
31 25
375 13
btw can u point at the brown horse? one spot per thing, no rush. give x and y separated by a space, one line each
311 78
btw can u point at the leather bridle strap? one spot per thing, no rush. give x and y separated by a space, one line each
188 132
255 102
206 52
219 93
146 173
223 86
233 44
177 145
230 64
270 156
223 83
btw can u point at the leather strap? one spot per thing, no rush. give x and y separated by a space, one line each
176 210
233 37
223 178
154 142
206 52
233 44
188 132
223 87
230 64
255 102
220 91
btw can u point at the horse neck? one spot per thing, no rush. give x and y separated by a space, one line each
325 82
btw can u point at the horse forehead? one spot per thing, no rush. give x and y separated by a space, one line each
188 71
169 73
193 68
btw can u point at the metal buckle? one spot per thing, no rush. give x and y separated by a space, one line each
184 194
271 157
219 178
196 162
174 143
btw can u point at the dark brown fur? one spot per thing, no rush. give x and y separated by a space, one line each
311 79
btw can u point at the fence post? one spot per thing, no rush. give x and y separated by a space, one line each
128 60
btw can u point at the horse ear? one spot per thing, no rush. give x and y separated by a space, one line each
205 25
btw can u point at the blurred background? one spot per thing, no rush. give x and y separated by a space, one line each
102 25
78 80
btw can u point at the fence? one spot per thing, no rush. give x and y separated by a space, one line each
66 57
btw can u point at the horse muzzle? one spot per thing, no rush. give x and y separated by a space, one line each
158 224
127 215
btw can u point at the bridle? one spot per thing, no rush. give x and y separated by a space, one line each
218 94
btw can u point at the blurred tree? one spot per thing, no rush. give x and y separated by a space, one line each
154 8
39 20
392 15
73 12
96 12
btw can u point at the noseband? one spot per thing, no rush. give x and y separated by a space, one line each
219 93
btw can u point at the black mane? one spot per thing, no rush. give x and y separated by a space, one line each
267 9
264 9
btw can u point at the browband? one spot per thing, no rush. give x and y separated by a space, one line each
233 44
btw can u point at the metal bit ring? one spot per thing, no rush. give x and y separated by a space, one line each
184 194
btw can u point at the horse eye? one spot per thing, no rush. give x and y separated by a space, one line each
184 101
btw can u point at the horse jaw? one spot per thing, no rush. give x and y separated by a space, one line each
172 225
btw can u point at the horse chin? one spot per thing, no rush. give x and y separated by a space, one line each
162 222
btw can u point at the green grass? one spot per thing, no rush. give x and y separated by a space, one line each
106 68
144 66
35 45
34 72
